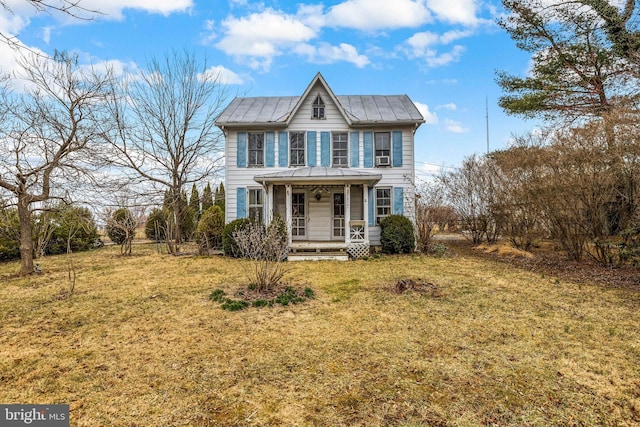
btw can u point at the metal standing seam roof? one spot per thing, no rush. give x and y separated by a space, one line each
361 109
318 174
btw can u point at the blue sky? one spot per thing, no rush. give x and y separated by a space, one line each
442 53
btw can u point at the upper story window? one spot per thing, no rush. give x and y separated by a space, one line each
296 155
383 148
256 149
340 150
318 108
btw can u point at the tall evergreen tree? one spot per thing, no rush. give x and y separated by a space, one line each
220 197
194 201
207 198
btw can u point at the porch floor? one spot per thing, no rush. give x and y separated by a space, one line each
318 245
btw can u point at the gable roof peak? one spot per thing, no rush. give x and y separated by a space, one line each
318 78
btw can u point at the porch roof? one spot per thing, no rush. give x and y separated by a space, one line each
320 175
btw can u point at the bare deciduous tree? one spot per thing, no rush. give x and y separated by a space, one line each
47 135
166 121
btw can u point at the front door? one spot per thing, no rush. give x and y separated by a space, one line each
337 209
298 216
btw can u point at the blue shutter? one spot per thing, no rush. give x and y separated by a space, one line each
368 149
397 148
270 145
325 149
354 149
312 157
398 201
241 150
241 202
283 149
372 205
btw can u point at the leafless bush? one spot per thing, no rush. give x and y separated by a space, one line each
432 214
472 191
267 248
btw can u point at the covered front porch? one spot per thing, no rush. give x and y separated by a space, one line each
325 210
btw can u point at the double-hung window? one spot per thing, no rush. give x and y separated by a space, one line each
383 148
256 204
383 203
339 149
256 149
296 142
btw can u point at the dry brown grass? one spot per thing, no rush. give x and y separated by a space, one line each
140 344
504 250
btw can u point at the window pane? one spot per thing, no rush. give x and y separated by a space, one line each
383 140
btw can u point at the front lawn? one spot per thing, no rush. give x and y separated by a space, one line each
139 343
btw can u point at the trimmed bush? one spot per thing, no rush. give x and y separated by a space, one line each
121 227
229 245
210 229
156 226
76 224
397 235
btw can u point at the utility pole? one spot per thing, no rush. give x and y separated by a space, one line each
486 100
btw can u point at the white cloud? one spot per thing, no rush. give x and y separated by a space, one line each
420 43
261 36
453 35
455 127
224 75
46 34
423 45
113 9
371 15
455 11
327 54
429 117
450 106
433 58
430 169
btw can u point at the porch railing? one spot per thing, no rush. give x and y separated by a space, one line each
356 231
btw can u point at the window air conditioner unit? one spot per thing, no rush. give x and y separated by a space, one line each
383 161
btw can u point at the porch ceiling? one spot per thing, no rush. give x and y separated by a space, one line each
317 174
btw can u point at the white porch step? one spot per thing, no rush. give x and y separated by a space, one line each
318 256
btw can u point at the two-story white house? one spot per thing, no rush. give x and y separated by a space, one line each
331 166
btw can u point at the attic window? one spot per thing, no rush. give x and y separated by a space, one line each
318 108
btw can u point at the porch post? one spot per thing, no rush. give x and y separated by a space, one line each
289 211
347 213
270 204
365 201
